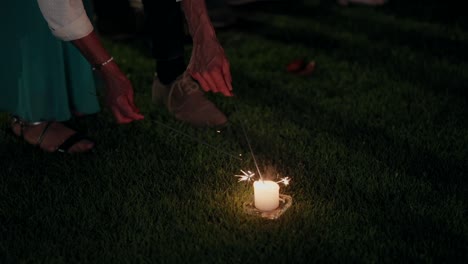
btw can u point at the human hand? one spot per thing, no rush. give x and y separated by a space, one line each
210 67
119 95
119 91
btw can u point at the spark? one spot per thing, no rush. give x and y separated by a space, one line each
246 176
284 181
187 136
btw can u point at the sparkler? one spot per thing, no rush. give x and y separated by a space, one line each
250 147
187 136
267 201
246 176
284 181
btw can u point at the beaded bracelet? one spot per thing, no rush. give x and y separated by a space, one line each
99 66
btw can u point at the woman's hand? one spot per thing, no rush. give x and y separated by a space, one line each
119 90
119 94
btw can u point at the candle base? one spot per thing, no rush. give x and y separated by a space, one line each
285 201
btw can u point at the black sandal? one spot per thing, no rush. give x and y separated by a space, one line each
64 147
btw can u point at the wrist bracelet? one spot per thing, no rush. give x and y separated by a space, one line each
99 66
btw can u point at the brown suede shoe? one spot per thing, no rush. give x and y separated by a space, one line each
186 101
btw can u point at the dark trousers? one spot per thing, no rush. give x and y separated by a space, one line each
112 9
164 23
166 28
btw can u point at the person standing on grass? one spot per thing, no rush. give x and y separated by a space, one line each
46 79
177 85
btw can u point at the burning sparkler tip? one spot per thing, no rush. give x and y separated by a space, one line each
246 176
284 181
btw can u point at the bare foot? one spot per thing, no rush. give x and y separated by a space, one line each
55 135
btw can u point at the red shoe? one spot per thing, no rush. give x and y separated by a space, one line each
301 67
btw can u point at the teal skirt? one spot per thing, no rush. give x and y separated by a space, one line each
42 78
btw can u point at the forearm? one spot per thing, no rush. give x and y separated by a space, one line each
198 21
118 89
91 48
208 64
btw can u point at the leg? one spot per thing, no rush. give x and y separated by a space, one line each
181 94
165 25
46 84
51 136
115 18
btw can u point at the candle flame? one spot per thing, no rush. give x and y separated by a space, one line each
246 176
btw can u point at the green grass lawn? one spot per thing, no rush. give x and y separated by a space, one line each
375 142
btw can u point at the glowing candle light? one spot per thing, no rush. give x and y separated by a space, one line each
266 195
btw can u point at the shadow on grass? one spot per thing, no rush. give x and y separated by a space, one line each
414 160
421 54
399 214
397 153
411 65
450 13
433 42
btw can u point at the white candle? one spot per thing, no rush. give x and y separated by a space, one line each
266 195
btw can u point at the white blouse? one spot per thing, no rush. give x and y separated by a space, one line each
67 18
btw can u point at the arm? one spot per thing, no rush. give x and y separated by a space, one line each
119 92
198 20
68 21
208 64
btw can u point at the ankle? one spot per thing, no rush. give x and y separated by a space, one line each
19 125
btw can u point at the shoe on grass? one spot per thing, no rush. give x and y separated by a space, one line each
187 102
